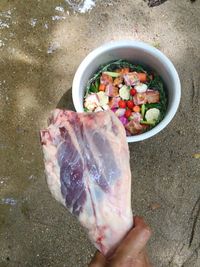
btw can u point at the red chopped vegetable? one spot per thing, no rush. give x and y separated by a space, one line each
130 104
128 113
133 91
122 104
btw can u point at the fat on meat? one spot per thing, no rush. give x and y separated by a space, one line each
87 167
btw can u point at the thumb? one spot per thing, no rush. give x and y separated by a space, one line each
135 241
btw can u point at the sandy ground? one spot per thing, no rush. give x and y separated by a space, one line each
41 45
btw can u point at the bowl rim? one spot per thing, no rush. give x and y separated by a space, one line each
138 45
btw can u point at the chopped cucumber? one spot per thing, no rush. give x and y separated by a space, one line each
112 74
124 92
143 110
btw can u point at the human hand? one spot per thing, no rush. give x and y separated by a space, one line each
131 252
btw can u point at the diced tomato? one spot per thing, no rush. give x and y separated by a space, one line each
133 91
136 109
122 104
128 113
130 104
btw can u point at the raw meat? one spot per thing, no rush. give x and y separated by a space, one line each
87 166
150 96
111 90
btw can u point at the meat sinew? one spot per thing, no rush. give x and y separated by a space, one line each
87 166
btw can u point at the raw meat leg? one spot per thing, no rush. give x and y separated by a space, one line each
87 166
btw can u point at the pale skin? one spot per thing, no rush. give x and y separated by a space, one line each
131 252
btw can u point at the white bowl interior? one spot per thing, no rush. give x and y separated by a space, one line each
138 53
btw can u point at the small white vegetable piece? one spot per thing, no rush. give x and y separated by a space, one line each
152 115
91 102
98 109
141 87
103 98
124 92
105 107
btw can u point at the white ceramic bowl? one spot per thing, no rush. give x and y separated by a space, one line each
136 52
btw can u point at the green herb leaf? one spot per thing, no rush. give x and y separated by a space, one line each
93 89
97 83
86 109
153 105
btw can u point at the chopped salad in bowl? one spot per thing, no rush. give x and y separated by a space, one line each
134 93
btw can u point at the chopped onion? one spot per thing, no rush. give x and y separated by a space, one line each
114 109
123 120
